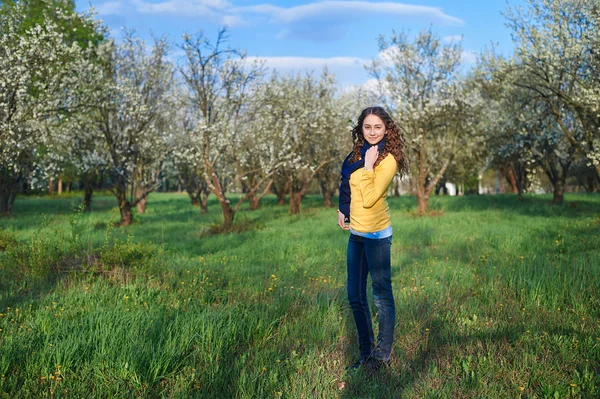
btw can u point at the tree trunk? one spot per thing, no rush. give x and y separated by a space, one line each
90 184
590 184
203 195
60 186
50 186
557 170
520 173
124 206
194 199
141 205
194 195
69 183
295 202
247 185
253 200
7 199
6 203
87 199
396 190
280 199
212 182
328 199
559 192
520 193
422 201
597 170
299 190
510 176
204 204
422 194
328 191
8 191
126 215
228 215
280 188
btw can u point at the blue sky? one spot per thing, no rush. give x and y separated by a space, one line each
302 34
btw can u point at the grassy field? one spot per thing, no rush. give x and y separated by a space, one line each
495 298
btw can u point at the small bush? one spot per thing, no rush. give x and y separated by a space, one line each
240 226
36 258
7 240
125 254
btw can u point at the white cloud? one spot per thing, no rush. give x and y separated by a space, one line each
233 21
301 19
452 39
260 9
215 3
468 57
109 8
342 9
311 63
347 70
192 8
189 8
330 20
182 7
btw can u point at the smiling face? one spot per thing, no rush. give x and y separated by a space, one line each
373 129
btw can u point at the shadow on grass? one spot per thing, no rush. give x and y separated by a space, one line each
171 223
16 293
174 223
575 205
34 205
420 352
426 363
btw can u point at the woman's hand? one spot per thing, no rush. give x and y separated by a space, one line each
342 221
371 157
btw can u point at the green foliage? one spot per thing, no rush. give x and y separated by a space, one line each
495 298
125 254
7 240
38 11
51 252
36 257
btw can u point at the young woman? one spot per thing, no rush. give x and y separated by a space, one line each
366 174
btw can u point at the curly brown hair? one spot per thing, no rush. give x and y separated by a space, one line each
394 140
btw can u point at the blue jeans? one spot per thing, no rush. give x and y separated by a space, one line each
365 256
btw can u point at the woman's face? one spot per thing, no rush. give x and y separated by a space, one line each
373 129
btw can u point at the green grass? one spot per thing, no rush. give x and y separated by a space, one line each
495 298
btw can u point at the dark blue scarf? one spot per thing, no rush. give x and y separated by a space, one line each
349 168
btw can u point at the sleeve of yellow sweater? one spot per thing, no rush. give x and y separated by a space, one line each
376 182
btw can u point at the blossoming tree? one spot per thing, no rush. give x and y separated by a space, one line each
134 107
420 80
556 49
41 71
220 82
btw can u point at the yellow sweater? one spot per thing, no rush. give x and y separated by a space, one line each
369 211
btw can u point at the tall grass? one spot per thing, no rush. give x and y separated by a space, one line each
496 298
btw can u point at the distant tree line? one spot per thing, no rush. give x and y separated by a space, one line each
78 106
